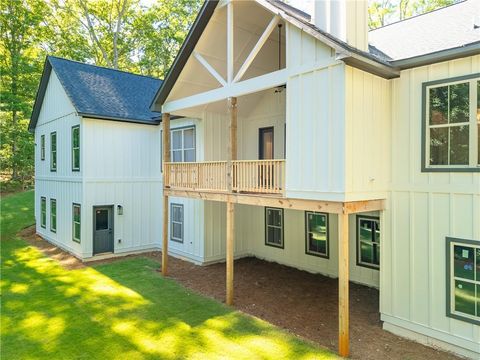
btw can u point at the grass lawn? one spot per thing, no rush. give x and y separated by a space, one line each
121 310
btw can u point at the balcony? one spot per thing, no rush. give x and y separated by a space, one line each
249 176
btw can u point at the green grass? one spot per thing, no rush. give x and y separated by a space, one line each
121 310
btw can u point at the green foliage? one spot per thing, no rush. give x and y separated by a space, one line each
120 34
382 12
120 310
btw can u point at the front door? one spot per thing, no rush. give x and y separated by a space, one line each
102 229
265 150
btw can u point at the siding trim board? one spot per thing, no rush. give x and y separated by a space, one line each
446 168
448 275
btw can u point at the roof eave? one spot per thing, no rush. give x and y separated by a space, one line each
438 56
122 119
37 105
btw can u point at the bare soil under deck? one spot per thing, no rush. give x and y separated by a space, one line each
303 303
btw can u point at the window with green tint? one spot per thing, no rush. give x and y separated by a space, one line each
368 241
76 223
452 124
463 281
42 147
316 234
274 227
53 215
76 148
53 151
43 212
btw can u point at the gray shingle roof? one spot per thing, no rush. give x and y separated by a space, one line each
442 29
100 92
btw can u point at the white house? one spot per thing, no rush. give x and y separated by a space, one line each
97 169
311 142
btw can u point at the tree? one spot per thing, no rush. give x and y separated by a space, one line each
381 12
20 65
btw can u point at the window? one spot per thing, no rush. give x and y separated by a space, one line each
76 227
53 151
316 234
176 231
53 215
43 212
463 280
274 227
368 241
76 148
451 125
183 144
42 147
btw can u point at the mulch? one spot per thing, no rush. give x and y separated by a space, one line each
304 304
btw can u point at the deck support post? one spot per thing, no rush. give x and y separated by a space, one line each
343 285
230 248
166 158
232 141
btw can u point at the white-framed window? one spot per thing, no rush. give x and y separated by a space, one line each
183 144
76 222
53 151
368 241
451 124
316 234
176 222
76 148
274 227
463 279
42 147
53 215
43 212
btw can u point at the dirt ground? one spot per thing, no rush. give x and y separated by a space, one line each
302 303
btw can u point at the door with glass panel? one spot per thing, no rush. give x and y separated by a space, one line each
265 152
102 229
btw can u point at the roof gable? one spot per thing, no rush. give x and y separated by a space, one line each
99 92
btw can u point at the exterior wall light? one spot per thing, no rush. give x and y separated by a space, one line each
119 209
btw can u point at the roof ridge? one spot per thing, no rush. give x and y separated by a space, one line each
104 67
418 15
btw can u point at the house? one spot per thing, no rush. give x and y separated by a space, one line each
328 148
307 141
97 173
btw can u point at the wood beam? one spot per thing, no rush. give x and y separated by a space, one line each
232 141
332 207
352 207
230 52
230 251
253 85
166 158
343 286
209 68
256 49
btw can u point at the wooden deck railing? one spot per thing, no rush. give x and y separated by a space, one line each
252 176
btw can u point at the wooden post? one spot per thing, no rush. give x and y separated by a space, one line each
230 245
166 159
343 286
232 141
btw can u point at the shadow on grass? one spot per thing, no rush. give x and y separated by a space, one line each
123 309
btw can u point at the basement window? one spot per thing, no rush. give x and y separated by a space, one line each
42 147
43 212
176 230
316 234
463 280
451 124
183 144
274 227
76 226
368 241
53 215
76 148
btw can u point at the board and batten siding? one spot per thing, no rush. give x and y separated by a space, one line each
367 135
315 118
422 210
121 163
64 185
